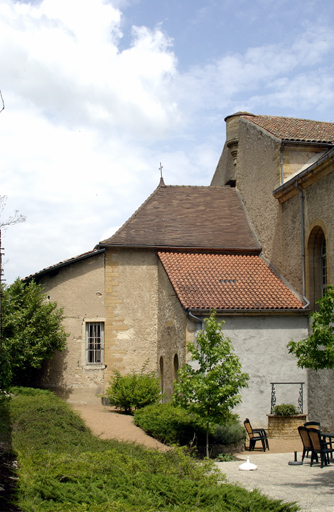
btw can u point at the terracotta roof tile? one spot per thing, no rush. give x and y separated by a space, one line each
289 128
180 217
226 282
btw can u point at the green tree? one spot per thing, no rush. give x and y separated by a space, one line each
32 331
210 386
317 350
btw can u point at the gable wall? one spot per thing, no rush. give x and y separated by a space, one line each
79 289
258 172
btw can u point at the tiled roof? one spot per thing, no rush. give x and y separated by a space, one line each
289 128
179 217
226 282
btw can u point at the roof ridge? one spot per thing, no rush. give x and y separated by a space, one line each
293 128
194 186
265 116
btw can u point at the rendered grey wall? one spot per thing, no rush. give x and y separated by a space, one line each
261 344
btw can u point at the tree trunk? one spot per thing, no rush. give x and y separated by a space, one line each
207 441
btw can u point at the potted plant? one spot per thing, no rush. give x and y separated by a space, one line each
286 410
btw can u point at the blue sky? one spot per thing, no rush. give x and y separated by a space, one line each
98 93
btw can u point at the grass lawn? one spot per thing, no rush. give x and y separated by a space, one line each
62 467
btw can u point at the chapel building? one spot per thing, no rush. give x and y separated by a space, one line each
256 246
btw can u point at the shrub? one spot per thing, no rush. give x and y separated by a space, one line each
20 390
134 390
225 457
169 424
229 434
285 410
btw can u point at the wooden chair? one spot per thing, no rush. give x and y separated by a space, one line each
307 446
316 424
256 434
319 446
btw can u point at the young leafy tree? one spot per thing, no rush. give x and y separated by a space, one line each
317 350
32 331
210 386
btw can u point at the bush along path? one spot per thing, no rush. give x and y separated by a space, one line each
62 467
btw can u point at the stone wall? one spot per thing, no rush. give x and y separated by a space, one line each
318 211
258 173
79 289
285 427
132 310
171 333
321 386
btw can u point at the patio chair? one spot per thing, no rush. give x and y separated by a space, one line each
312 424
307 446
319 446
256 434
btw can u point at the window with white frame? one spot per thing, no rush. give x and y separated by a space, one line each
94 342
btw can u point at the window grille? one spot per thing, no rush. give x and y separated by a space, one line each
94 342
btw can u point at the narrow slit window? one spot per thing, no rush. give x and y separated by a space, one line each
161 365
94 342
176 366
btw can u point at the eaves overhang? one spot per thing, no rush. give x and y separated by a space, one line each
305 178
221 250
248 312
64 263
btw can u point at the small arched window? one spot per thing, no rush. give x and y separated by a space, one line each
176 366
317 252
161 368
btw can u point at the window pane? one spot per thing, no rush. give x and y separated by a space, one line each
94 342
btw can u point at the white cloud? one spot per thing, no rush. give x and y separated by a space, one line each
226 81
69 67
